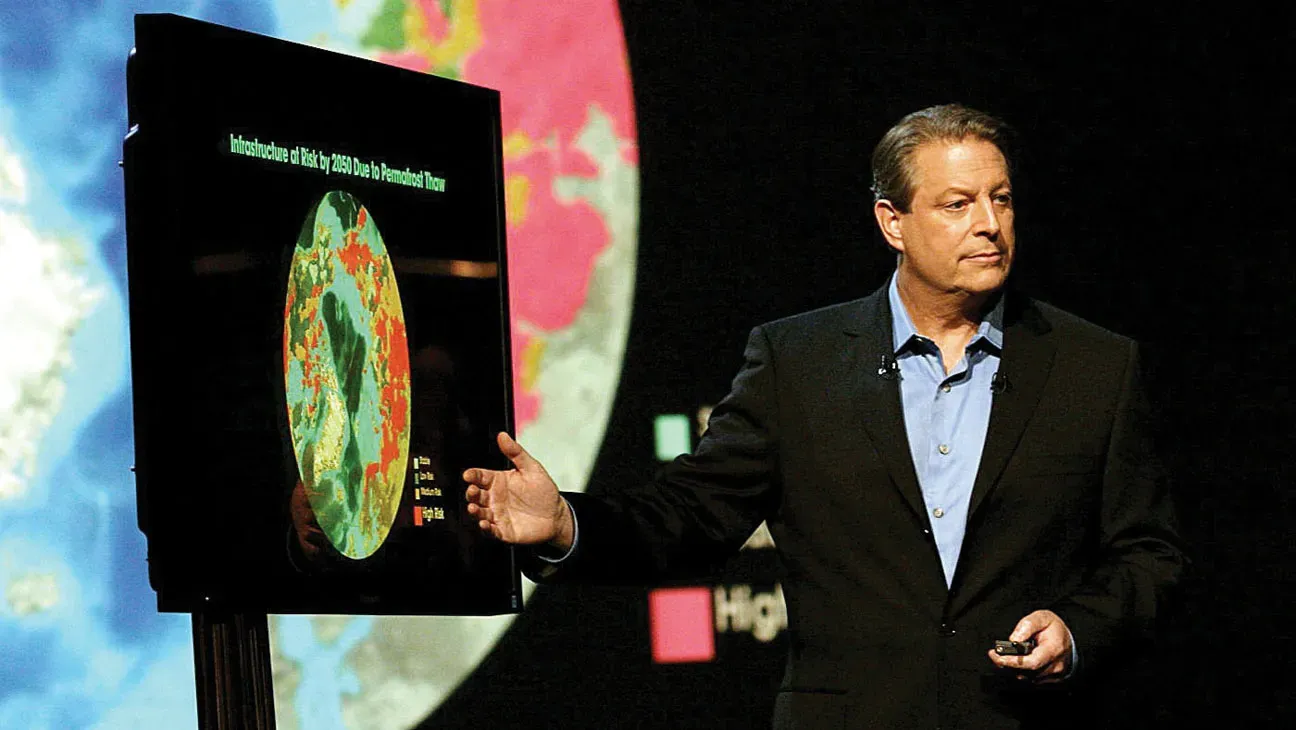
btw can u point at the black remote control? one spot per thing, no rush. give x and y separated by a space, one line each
1014 648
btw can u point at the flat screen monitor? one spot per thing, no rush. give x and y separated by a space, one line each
319 326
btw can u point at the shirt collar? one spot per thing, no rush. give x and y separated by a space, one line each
902 328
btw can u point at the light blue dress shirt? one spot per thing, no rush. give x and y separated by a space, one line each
945 418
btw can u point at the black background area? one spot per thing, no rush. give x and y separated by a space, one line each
208 297
1150 201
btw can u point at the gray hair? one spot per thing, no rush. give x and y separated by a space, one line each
892 158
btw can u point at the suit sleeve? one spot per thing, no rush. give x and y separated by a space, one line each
1141 558
699 509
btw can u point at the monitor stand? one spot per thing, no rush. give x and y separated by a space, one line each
232 668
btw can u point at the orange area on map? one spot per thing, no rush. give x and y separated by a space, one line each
532 354
517 190
517 144
393 400
354 254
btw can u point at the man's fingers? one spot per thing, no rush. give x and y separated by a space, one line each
515 453
1051 674
1035 660
1011 661
1032 662
1032 624
481 477
1017 663
1041 657
485 517
477 495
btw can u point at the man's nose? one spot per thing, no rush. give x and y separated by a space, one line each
985 219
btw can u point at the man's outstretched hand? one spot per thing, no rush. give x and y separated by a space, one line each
522 505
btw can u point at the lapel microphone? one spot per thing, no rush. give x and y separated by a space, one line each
888 368
1000 383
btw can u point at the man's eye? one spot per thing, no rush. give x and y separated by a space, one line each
956 205
1003 199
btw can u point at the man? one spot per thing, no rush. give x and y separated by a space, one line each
942 464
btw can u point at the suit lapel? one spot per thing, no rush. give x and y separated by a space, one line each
877 398
1025 363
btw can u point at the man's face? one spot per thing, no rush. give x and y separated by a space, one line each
958 234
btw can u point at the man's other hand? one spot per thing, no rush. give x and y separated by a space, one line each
522 505
1051 659
310 537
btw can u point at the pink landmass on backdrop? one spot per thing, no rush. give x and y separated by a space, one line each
551 61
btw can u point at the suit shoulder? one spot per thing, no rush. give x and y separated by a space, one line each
833 318
1075 330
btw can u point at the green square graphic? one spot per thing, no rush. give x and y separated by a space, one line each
671 434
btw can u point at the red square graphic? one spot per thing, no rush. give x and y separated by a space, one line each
683 628
418 516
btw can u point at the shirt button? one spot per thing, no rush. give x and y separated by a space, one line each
943 448
945 388
938 513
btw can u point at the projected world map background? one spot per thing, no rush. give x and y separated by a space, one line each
81 641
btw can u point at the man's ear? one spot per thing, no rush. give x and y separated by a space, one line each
888 220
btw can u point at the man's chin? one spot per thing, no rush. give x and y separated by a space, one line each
986 283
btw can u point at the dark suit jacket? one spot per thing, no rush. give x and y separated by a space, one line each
1068 512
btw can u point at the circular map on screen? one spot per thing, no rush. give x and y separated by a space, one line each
346 375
